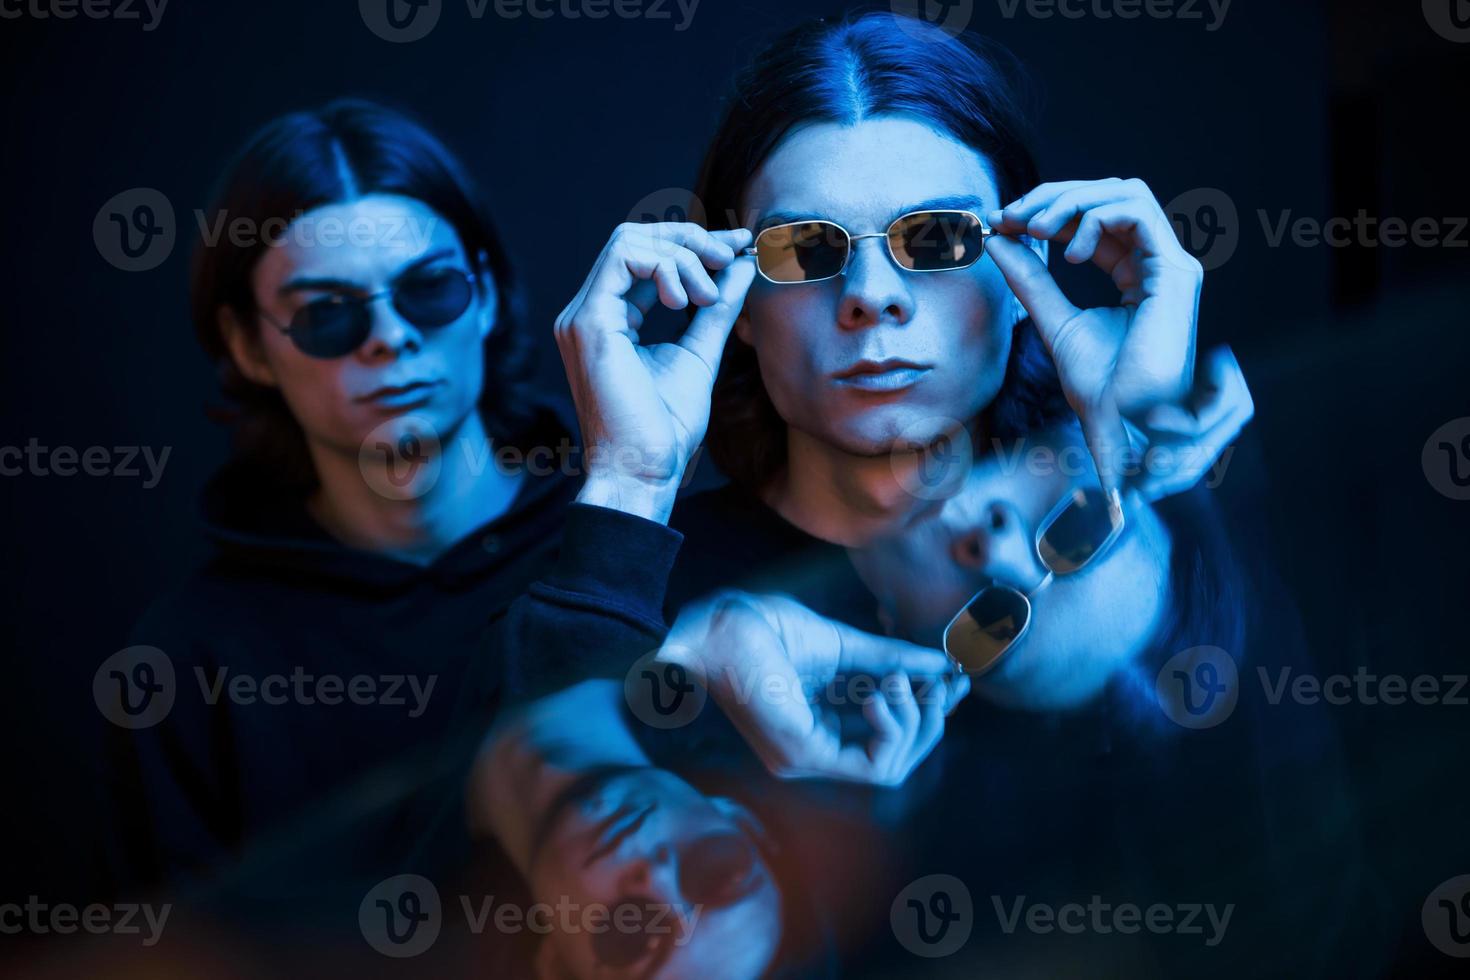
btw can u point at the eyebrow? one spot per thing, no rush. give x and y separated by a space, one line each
300 283
953 202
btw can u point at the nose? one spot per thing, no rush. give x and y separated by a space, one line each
392 335
999 545
873 288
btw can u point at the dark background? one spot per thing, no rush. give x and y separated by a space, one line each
1355 355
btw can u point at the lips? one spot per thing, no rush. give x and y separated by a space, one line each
409 391
889 374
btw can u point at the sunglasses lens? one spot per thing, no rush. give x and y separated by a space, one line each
987 627
1079 531
330 327
932 241
433 299
804 252
717 870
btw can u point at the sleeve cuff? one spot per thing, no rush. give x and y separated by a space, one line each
607 554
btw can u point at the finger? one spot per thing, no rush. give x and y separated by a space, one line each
1095 229
1049 219
713 249
710 328
1107 441
904 704
1033 285
1017 214
930 731
670 290
956 689
862 652
887 735
697 283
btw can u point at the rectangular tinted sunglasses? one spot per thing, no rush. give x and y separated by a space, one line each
1079 528
920 241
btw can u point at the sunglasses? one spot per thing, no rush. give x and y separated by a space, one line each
1079 528
921 241
336 325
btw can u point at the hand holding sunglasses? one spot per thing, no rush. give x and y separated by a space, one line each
643 409
1113 361
1083 526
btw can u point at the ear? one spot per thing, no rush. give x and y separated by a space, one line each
245 348
489 295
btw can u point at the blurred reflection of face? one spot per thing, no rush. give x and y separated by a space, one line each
697 897
1098 617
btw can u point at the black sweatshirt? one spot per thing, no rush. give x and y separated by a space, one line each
377 667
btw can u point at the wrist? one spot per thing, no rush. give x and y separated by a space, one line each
640 498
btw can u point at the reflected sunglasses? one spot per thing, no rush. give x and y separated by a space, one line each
336 325
1082 526
920 241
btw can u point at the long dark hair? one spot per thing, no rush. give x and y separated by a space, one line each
307 159
844 70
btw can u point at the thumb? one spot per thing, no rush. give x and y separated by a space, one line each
710 328
1107 441
1030 280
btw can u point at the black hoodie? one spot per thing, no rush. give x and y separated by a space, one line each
304 668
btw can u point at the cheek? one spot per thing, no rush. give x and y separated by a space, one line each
312 387
789 329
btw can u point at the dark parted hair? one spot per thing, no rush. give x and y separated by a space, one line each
304 160
844 70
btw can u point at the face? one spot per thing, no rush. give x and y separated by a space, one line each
402 375
1084 624
879 352
688 864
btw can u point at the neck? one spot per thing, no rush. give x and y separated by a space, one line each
531 758
845 498
470 490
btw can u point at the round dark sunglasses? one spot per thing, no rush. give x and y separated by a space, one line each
336 325
920 241
1079 529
